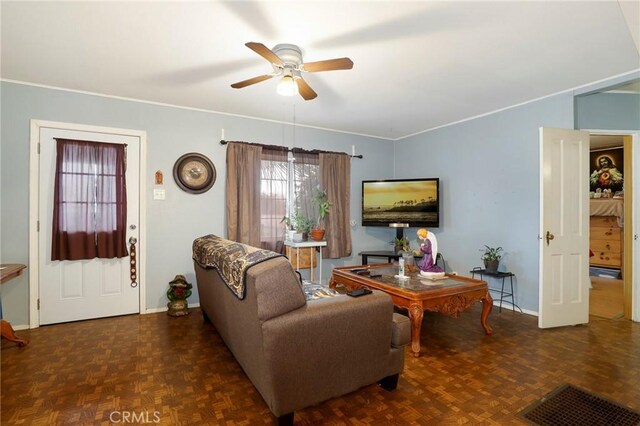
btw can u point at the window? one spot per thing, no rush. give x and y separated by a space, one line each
266 183
287 183
274 188
90 211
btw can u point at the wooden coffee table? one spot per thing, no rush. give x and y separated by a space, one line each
8 272
450 296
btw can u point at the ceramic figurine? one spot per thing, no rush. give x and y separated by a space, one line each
429 249
179 291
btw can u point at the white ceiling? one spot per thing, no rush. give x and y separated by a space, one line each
418 65
605 141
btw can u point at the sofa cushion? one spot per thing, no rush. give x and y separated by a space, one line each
277 287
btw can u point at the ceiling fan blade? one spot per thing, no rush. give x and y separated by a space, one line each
265 52
305 90
249 82
329 65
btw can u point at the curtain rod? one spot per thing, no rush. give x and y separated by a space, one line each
223 142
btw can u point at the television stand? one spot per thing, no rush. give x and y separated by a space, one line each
399 229
390 255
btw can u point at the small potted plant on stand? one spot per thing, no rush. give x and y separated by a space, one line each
491 258
324 204
401 245
289 230
302 227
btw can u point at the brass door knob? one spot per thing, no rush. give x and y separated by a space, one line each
549 237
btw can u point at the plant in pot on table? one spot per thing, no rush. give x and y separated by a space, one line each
297 227
323 203
491 258
304 225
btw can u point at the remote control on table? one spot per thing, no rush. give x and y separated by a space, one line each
359 292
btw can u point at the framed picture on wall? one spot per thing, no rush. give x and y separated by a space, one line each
607 169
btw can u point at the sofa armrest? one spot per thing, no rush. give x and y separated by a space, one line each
327 348
400 331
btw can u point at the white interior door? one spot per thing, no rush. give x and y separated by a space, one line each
83 289
564 227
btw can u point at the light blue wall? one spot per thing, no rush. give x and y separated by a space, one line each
608 111
172 224
488 170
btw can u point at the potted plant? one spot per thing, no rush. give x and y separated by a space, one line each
491 258
320 199
303 226
401 245
289 230
296 227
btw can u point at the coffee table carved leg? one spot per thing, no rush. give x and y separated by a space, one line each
416 313
332 283
7 332
487 306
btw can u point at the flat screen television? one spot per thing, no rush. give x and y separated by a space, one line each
415 202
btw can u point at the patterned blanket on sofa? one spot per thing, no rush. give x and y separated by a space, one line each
231 259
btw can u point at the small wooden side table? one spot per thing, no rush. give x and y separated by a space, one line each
311 245
7 272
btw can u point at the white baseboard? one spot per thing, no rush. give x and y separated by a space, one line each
20 327
510 308
164 308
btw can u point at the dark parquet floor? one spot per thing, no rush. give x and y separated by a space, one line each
177 371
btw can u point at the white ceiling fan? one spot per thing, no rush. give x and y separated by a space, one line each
286 60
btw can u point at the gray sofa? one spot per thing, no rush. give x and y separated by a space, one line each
300 353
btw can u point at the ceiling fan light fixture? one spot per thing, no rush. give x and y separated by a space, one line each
287 86
286 60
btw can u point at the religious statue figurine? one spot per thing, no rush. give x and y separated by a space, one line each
429 249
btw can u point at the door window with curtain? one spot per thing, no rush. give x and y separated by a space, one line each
90 202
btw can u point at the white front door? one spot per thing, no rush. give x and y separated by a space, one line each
83 289
564 227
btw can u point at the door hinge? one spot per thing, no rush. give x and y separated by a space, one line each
38 226
38 147
38 303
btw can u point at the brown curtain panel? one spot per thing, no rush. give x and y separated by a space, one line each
274 167
90 201
243 193
335 178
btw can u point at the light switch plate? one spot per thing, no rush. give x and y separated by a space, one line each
158 194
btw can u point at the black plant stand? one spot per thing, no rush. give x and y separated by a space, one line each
503 295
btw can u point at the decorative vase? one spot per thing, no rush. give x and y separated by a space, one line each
317 234
491 266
